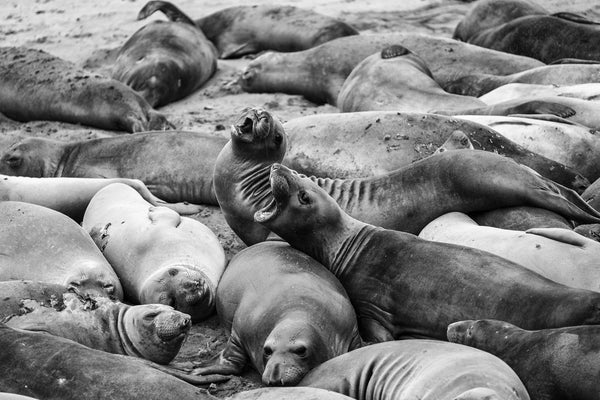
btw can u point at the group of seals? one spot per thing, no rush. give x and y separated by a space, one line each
159 256
38 86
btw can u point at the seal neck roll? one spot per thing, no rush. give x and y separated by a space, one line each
256 186
348 247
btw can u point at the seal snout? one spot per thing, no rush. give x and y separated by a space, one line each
280 189
171 324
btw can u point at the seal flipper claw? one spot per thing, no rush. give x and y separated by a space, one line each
170 10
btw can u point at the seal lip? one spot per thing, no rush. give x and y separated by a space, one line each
280 189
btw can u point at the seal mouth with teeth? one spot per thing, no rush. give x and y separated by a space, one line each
280 189
254 124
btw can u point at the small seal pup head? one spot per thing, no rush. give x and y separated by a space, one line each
258 133
33 157
154 331
92 281
291 350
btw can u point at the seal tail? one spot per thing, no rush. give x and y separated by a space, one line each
566 201
170 10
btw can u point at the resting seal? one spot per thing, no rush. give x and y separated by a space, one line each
288 393
554 364
319 73
159 256
420 286
16 293
50 367
40 244
152 331
35 85
558 254
176 166
165 61
417 369
71 196
286 312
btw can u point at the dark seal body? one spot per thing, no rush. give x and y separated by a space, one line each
286 312
554 364
15 295
319 73
404 286
176 166
35 85
417 369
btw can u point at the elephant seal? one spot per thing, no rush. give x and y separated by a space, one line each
258 140
478 84
417 369
511 91
573 145
175 165
152 331
396 79
165 61
159 256
16 293
364 144
38 86
51 367
288 393
71 196
319 73
41 244
420 286
552 363
286 312
521 218
558 254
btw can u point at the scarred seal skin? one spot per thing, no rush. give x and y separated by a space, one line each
558 254
16 293
38 86
50 367
176 166
417 369
159 256
319 73
41 244
288 393
152 331
553 364
421 286
286 312
165 60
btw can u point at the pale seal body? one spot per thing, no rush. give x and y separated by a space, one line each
154 331
319 73
38 86
420 286
159 256
511 91
417 369
286 312
176 166
44 245
558 254
553 364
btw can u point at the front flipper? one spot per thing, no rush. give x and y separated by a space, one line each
578 18
373 332
561 235
235 51
533 107
230 361
171 11
194 380
183 208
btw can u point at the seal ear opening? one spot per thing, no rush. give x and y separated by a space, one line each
394 51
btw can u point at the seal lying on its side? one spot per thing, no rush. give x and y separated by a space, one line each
50 367
71 196
41 244
165 60
554 364
175 165
286 312
558 254
401 285
152 331
16 293
418 369
159 256
35 85
319 73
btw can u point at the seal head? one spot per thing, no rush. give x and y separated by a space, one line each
93 280
257 131
34 157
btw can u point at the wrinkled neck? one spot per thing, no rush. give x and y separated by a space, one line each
127 346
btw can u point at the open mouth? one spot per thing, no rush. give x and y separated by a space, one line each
281 191
254 124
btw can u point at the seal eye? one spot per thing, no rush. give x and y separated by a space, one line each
303 197
300 351
278 138
150 316
109 288
267 352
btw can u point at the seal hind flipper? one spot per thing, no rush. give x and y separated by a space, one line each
560 235
573 17
565 201
170 10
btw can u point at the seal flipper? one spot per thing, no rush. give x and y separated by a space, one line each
573 17
564 201
561 235
549 118
170 10
230 361
194 380
232 51
372 331
573 61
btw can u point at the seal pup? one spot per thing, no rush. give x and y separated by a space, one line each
286 312
417 369
404 286
554 364
152 331
51 367
35 85
41 244
558 254
16 293
176 166
165 61
159 256
71 196
288 393
319 73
